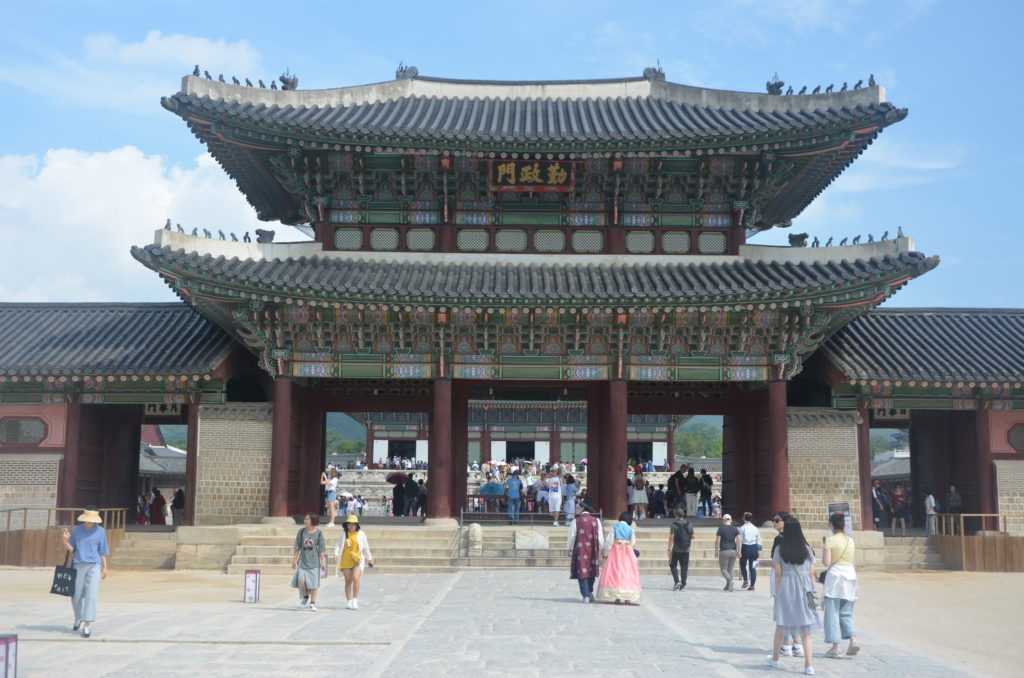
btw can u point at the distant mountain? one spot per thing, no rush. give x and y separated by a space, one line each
345 426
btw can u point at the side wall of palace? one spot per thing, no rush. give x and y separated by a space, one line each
233 463
822 464
29 473
1010 493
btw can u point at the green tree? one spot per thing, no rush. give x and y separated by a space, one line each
699 439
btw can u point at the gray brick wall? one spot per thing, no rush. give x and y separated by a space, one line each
233 463
822 463
1010 493
28 481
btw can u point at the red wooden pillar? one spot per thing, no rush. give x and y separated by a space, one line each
555 445
670 453
778 432
371 459
613 458
867 519
595 421
67 489
280 446
460 442
439 455
485 444
191 461
983 445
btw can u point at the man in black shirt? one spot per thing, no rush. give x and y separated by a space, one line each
705 491
692 485
727 545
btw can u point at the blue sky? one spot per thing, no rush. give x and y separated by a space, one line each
91 164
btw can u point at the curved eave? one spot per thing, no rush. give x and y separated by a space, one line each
841 286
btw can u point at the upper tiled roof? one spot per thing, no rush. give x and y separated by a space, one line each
620 278
108 339
932 344
630 109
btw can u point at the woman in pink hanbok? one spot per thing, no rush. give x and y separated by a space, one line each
620 576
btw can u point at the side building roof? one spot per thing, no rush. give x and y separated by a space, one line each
108 339
932 344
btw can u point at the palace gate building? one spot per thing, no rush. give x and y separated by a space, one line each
574 249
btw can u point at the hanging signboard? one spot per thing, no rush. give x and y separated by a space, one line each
532 176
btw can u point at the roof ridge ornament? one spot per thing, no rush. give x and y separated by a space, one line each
655 72
774 86
404 72
288 81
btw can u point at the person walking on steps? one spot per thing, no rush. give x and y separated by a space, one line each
88 544
309 560
554 486
795 611
727 545
750 550
331 486
353 553
584 544
692 484
680 537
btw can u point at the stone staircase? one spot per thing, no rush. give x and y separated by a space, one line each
912 553
497 550
155 549
395 549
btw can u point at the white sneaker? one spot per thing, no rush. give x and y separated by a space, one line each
786 651
555 523
798 650
312 607
348 605
809 670
355 603
586 599
771 662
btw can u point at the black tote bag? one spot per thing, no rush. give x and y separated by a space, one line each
64 577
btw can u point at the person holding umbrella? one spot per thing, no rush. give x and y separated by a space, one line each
398 493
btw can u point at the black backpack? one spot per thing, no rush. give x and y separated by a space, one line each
683 536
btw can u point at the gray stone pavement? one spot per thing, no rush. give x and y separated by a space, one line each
470 623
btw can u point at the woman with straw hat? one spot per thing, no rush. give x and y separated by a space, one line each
352 552
88 543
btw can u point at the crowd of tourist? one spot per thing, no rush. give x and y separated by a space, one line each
893 506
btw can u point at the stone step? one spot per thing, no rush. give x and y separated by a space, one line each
143 551
150 536
384 550
288 541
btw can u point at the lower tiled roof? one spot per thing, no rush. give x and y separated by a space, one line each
932 344
108 339
741 278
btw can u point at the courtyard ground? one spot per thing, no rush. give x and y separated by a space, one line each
484 623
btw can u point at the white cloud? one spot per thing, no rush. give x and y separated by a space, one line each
128 76
69 218
888 165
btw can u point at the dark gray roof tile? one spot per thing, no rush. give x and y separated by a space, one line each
108 339
932 344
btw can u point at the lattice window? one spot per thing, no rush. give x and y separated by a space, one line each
348 239
1015 436
384 239
21 431
587 241
711 243
639 242
675 242
549 241
471 240
510 240
420 239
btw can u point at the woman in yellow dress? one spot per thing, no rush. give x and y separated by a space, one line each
353 553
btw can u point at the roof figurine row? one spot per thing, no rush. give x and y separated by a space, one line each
262 236
800 239
774 86
288 81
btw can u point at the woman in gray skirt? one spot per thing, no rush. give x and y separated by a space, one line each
309 560
793 563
